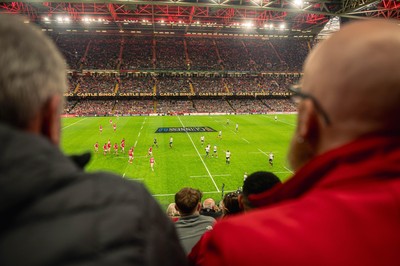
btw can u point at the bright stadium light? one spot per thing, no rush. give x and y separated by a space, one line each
67 19
248 24
59 19
282 26
298 3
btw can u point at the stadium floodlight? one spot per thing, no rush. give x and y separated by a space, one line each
248 24
59 19
67 19
46 18
271 26
282 26
298 3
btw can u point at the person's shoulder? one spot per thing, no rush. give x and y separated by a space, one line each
112 187
207 218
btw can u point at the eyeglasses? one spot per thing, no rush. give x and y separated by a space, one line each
297 95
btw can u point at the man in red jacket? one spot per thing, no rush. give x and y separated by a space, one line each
342 207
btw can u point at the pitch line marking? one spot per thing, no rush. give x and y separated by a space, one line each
263 152
135 144
208 192
201 158
192 176
246 140
282 121
288 169
283 172
74 123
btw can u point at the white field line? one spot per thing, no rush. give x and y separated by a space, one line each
136 141
192 176
201 158
282 121
288 169
263 152
208 192
246 140
74 123
283 172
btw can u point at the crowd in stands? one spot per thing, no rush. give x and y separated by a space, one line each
133 107
115 52
208 85
292 54
175 106
272 84
212 106
170 53
103 52
137 53
202 54
193 217
281 105
136 84
234 55
264 55
73 48
93 108
68 106
173 85
248 106
73 81
97 83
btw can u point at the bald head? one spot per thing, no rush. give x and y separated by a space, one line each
355 76
209 203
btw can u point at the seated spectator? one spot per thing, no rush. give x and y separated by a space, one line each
256 183
210 209
341 207
191 225
172 212
52 211
231 204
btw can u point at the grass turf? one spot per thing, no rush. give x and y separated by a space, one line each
185 163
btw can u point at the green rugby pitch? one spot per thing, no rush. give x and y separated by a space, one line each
185 163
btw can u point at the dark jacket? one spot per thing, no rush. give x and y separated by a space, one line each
53 213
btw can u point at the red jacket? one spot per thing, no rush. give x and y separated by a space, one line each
342 208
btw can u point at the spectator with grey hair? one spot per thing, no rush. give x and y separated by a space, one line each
210 209
52 212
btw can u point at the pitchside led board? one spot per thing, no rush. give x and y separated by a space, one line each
184 129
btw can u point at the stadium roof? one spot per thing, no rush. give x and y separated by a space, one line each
203 17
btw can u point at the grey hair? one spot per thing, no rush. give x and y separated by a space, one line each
31 71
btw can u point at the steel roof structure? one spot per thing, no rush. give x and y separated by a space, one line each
210 17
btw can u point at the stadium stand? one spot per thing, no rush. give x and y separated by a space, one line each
180 74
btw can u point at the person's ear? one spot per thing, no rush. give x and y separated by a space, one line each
176 208
51 121
308 124
198 206
240 200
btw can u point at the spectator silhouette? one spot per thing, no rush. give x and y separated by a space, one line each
52 212
342 203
